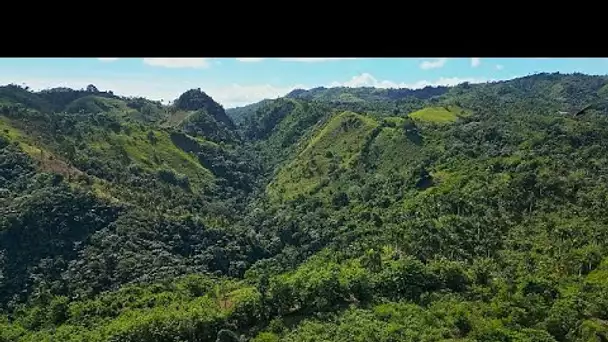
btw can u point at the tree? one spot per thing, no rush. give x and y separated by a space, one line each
372 260
92 89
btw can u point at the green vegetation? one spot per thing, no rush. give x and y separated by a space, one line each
439 114
332 150
469 213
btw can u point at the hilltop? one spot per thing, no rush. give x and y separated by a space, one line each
467 213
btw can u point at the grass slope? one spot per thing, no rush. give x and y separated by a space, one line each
152 150
335 148
439 115
393 150
484 224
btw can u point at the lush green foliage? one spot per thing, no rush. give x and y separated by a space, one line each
471 213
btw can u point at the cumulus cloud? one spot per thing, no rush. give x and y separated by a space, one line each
433 64
233 95
315 60
301 60
107 59
250 59
237 95
368 80
475 62
196 63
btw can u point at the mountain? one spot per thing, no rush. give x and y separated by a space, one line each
364 94
238 113
199 115
467 213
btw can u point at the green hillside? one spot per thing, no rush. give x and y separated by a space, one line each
364 94
469 213
238 114
150 174
334 149
439 114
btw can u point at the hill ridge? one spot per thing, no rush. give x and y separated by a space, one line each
468 213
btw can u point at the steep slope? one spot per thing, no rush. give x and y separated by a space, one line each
466 175
332 151
489 205
197 114
478 214
160 184
277 128
238 114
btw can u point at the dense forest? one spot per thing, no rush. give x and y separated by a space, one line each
477 212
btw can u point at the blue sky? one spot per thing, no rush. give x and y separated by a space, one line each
240 81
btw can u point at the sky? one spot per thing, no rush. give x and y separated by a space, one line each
236 82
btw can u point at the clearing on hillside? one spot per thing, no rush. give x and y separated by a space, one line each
442 115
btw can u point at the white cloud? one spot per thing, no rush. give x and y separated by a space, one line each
196 63
475 62
229 96
499 67
301 60
106 59
250 59
233 95
237 95
315 60
433 64
368 80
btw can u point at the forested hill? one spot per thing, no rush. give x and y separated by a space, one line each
468 213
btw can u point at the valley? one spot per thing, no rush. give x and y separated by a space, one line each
476 212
